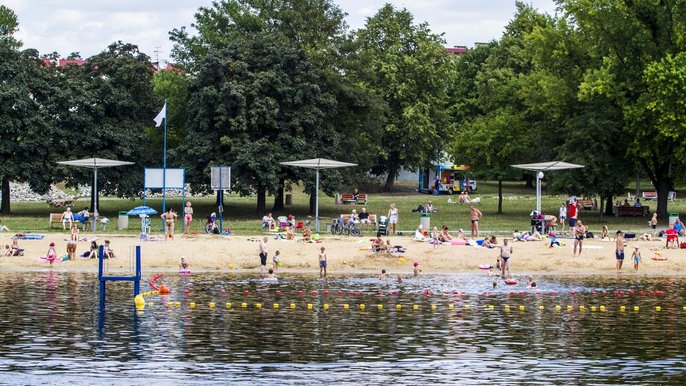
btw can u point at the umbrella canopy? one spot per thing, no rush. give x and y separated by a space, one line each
95 164
540 167
317 164
141 210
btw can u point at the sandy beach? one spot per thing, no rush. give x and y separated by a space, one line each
348 255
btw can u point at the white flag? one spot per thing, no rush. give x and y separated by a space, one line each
162 115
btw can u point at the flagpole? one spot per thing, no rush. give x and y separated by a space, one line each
164 166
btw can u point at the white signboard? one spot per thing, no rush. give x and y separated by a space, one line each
174 178
222 173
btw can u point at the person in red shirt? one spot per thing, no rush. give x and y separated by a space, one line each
571 214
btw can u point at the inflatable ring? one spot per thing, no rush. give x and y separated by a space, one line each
511 282
184 272
660 258
485 266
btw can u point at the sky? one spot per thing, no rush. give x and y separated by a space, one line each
89 26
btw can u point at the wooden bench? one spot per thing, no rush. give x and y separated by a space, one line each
348 199
586 204
623 210
55 218
671 196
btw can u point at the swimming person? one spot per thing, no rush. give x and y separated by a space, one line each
271 275
183 264
532 283
416 270
383 275
322 263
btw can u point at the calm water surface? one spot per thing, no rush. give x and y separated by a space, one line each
52 332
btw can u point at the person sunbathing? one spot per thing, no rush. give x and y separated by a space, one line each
307 233
444 236
378 244
490 242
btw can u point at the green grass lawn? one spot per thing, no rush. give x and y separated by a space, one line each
240 213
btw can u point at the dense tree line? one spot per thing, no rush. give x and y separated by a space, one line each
600 83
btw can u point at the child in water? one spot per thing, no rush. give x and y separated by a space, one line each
636 256
416 269
322 263
271 275
183 264
51 256
276 260
383 275
532 283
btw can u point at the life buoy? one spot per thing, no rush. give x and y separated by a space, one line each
511 282
485 266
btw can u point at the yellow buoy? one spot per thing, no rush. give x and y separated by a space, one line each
602 308
541 308
309 306
244 305
258 305
658 308
346 306
139 301
398 306
558 308
491 306
212 304
451 306
178 304
415 307
379 307
170 304
582 308
466 306
228 305
593 308
569 308
636 308
192 305
507 307
622 308
433 307
326 306
522 308
362 306
292 306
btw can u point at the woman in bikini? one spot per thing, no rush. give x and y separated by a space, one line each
169 219
475 216
187 218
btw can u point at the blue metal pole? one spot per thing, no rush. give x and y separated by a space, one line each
137 282
164 166
101 251
221 202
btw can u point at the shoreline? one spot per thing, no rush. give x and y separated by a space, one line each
349 256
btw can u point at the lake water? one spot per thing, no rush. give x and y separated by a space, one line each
51 331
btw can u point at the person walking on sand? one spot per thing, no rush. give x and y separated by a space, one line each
264 252
475 216
392 218
563 216
505 254
187 218
636 257
653 223
169 220
620 243
322 263
579 234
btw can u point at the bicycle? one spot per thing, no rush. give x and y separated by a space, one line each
351 230
336 227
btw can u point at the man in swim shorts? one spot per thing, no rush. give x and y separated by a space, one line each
620 243
475 216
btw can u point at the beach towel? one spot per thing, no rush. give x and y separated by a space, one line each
29 236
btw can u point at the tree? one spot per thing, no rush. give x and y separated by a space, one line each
627 40
29 141
407 66
107 104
